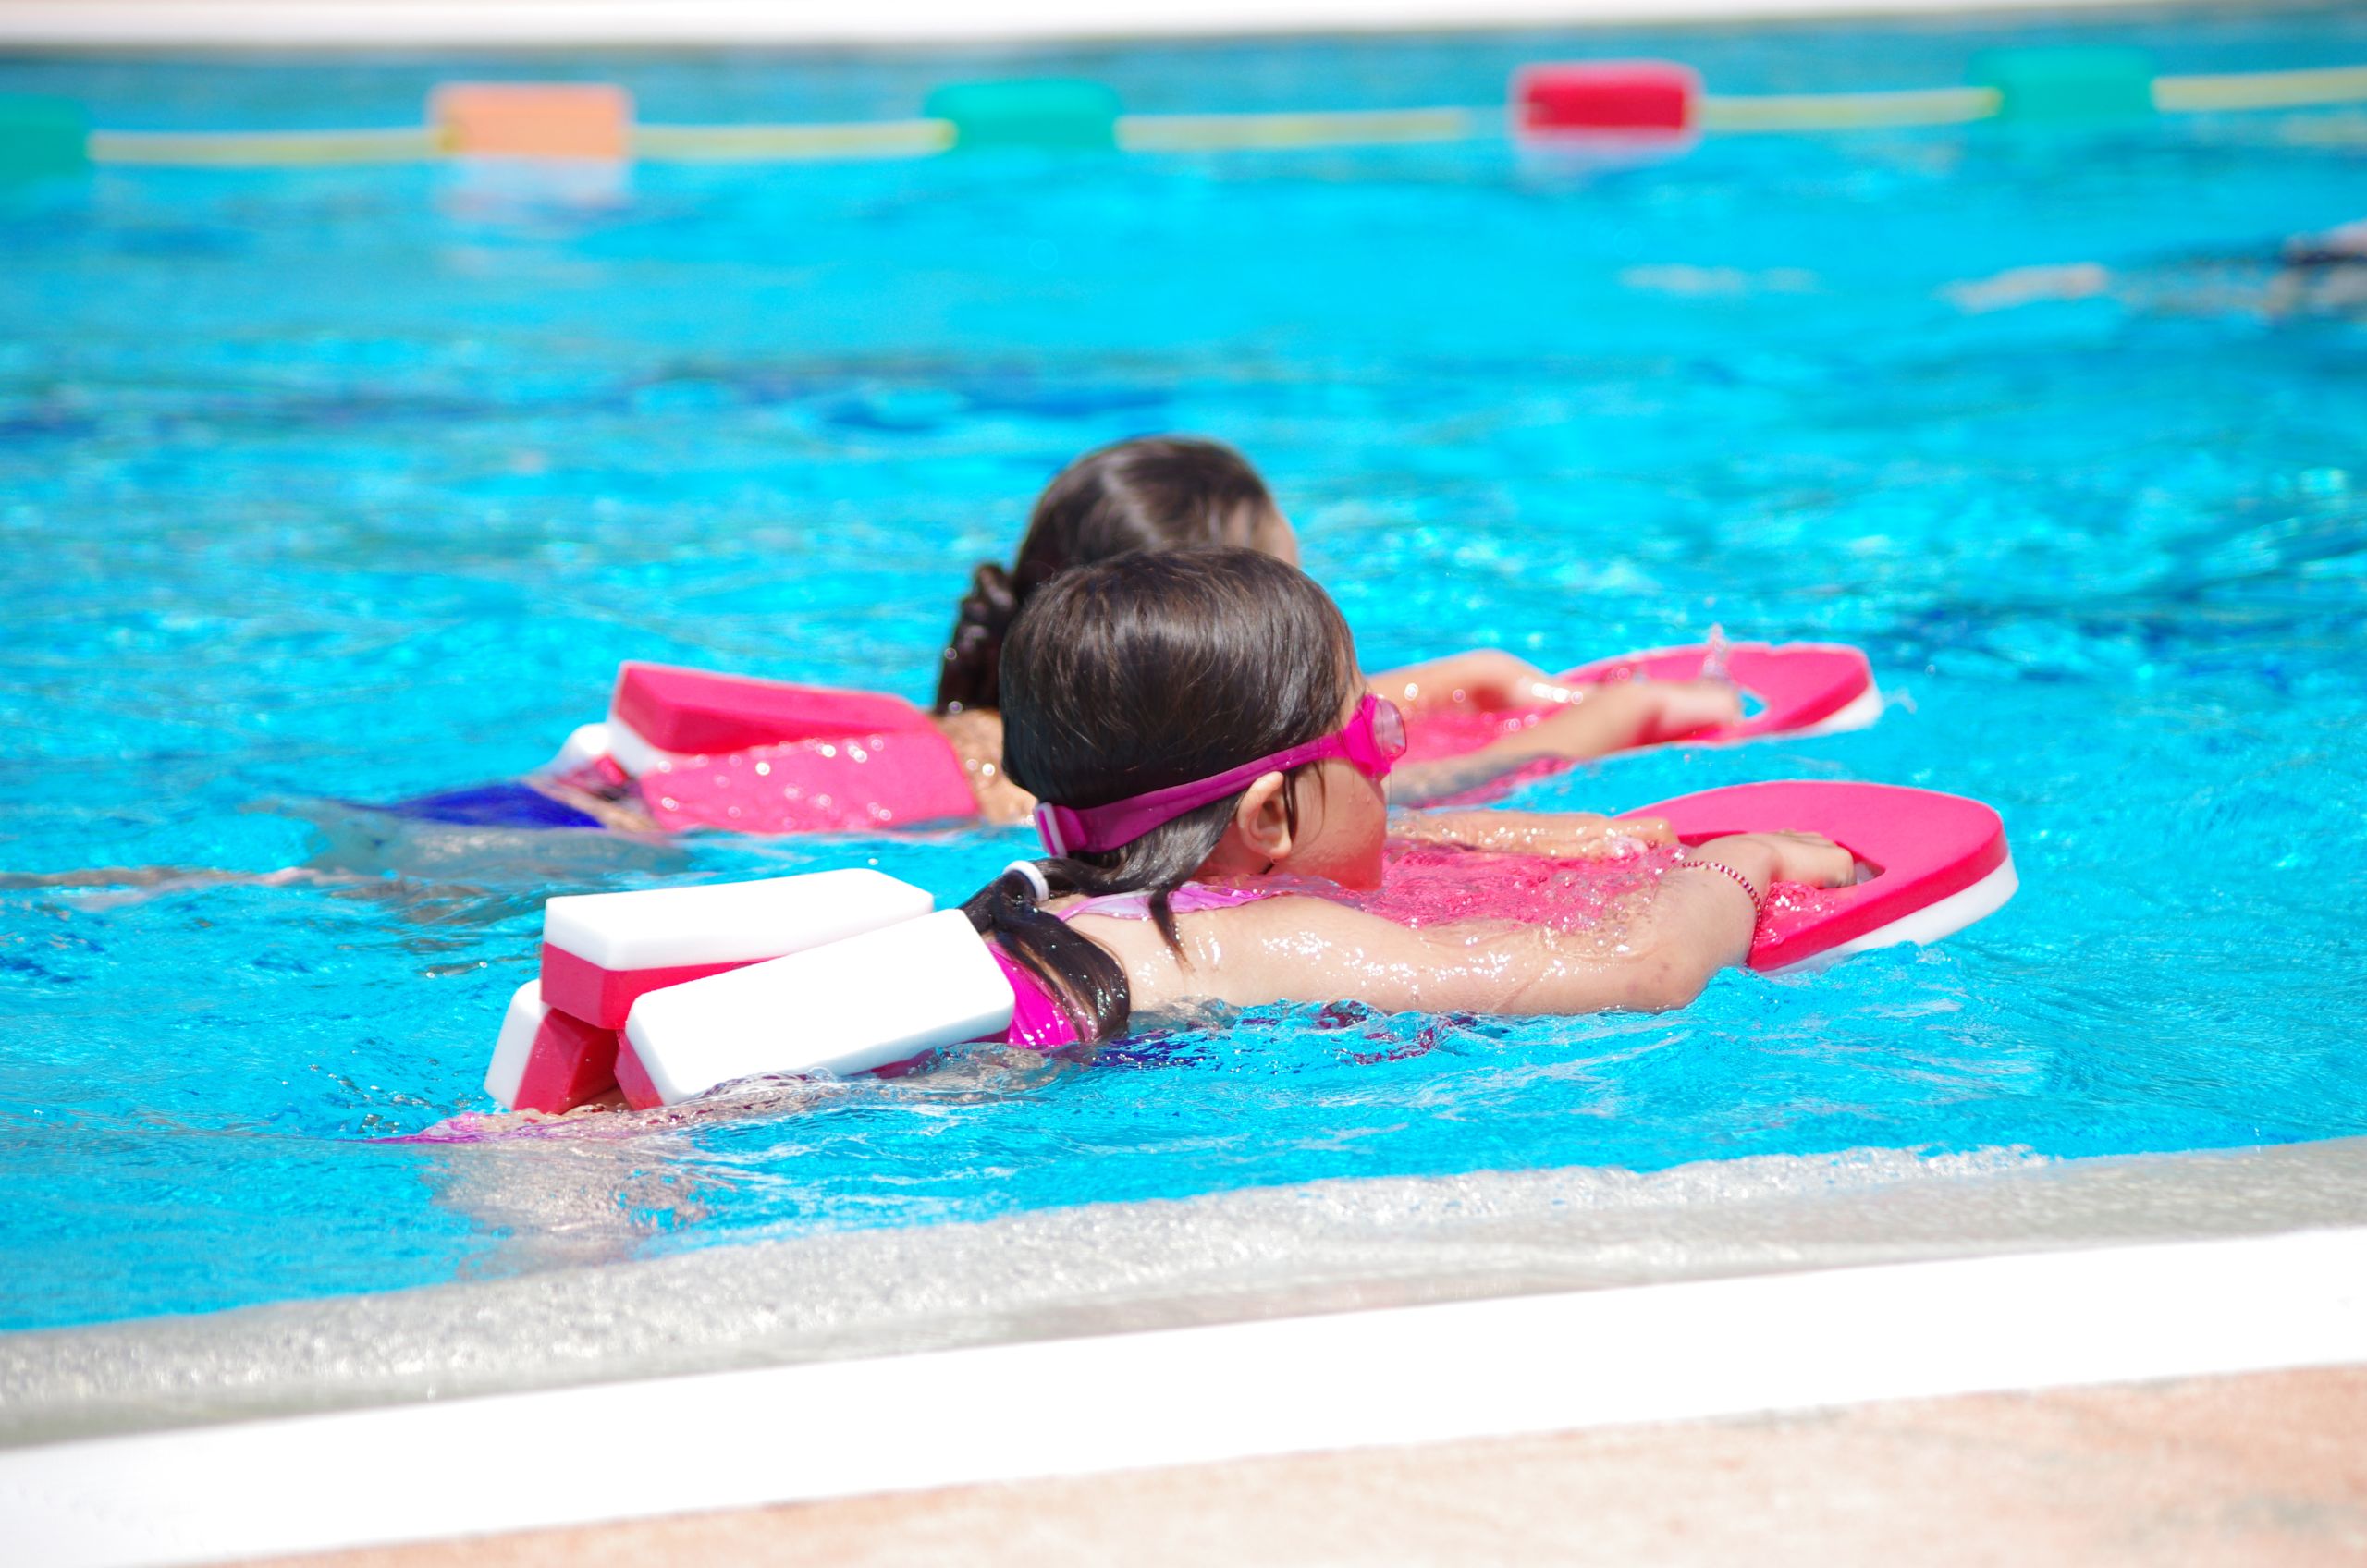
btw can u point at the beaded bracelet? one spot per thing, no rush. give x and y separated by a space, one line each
1757 903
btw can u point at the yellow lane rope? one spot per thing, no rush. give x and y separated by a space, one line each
242 149
1851 111
2261 90
782 143
1352 128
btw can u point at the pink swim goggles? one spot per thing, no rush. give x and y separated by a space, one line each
1372 740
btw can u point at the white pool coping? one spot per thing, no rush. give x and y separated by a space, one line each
280 24
1077 1406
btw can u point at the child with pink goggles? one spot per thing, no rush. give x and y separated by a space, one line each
1371 741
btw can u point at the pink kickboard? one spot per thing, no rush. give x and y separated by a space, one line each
845 784
1800 685
603 997
1925 847
700 711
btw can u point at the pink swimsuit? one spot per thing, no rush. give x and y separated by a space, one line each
1040 1024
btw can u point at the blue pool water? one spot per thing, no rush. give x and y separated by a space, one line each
352 484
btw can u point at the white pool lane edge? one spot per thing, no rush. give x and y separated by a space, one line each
280 24
1069 1407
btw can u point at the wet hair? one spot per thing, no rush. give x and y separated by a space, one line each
1138 674
1152 492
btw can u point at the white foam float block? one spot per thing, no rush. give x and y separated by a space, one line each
842 1009
601 950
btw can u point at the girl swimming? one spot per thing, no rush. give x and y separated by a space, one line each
1152 495
1156 494
1210 769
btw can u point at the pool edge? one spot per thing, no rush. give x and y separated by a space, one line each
1826 1337
280 25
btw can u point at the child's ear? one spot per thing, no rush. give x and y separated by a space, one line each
1259 836
1263 816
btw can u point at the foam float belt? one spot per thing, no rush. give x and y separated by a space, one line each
1931 864
603 950
546 1059
850 1007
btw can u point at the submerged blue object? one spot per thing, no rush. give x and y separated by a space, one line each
507 804
359 481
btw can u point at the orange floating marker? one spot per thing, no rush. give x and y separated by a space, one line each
1591 99
532 119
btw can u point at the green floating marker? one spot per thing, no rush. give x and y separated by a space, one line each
1047 111
2071 85
41 136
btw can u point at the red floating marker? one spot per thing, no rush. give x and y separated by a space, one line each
1586 99
532 119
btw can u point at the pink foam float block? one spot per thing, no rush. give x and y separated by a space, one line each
667 709
1586 98
1931 864
1803 689
546 1059
632 1078
603 952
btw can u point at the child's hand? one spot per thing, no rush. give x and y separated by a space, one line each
1810 859
1673 708
1485 680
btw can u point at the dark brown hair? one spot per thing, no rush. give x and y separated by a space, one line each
1138 674
1152 492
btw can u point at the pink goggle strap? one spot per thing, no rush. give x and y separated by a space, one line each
1373 738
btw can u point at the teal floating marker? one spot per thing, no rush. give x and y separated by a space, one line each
1055 112
41 136
2068 85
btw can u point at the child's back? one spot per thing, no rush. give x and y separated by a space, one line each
1209 766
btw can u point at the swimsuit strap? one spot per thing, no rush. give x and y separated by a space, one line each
1037 1020
1192 898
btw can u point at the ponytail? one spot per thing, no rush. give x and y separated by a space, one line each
967 675
1089 984
1082 975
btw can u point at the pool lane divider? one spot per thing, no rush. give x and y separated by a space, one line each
1613 103
1210 1394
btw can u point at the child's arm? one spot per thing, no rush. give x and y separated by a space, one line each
1699 920
1595 721
1576 835
1488 680
975 735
